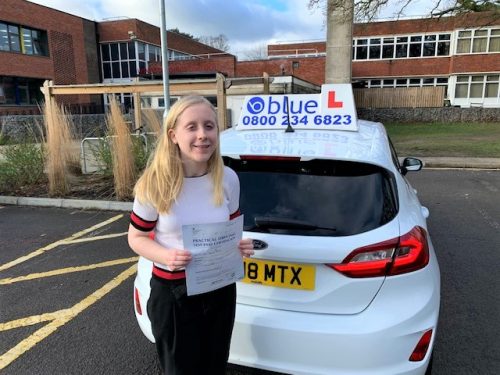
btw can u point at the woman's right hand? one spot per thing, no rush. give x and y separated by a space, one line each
176 258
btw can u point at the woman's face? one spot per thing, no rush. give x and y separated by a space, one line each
196 135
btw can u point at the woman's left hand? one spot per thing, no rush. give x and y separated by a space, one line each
246 247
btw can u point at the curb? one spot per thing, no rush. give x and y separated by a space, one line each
429 162
67 203
462 163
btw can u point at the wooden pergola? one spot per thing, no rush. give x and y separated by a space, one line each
218 86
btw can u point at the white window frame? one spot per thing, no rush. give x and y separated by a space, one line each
383 42
472 37
475 101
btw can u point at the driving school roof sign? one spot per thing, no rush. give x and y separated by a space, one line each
333 109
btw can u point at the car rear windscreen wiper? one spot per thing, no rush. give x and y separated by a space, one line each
269 222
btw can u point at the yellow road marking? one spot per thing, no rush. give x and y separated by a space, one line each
96 238
64 317
31 320
62 271
57 243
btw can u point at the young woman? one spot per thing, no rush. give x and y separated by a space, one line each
186 182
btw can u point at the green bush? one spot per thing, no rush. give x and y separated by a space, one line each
21 165
102 154
4 139
101 151
141 150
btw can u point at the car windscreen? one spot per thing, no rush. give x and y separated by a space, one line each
314 198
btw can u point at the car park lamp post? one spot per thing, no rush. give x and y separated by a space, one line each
164 58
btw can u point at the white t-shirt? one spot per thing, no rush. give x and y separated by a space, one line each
194 205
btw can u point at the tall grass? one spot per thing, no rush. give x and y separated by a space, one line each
3 136
153 120
122 152
60 157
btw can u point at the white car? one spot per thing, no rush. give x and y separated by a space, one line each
345 279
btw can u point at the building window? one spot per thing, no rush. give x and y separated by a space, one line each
441 81
176 55
429 45
388 48
402 47
374 48
477 86
494 41
407 82
388 83
154 53
20 91
443 46
118 60
462 87
4 38
401 82
415 46
491 90
15 38
478 41
361 49
464 41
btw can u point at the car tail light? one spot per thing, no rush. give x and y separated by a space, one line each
421 349
137 300
407 253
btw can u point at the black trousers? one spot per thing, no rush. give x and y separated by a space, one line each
192 333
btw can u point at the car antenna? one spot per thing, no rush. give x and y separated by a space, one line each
289 128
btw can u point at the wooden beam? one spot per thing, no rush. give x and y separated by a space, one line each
266 83
221 102
137 111
176 88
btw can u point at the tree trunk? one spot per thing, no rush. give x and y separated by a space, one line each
340 17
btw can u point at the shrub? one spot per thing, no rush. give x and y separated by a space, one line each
22 165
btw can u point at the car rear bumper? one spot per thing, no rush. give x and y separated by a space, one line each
379 340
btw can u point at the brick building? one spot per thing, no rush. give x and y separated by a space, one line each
460 53
67 49
39 43
131 48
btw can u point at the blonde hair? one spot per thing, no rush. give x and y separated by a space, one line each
162 180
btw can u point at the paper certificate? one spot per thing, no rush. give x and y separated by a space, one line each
216 260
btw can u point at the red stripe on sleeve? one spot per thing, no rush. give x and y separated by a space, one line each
235 214
141 224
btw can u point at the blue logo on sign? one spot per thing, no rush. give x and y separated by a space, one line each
255 105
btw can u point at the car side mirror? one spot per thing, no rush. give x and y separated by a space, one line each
411 164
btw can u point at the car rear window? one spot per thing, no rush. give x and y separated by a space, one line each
314 198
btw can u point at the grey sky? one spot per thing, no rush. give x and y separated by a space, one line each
248 24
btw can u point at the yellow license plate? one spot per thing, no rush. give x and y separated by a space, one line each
279 274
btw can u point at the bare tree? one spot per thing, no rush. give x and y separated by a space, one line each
340 15
257 52
220 42
368 9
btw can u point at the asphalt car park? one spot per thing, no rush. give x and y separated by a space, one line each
101 336
56 266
